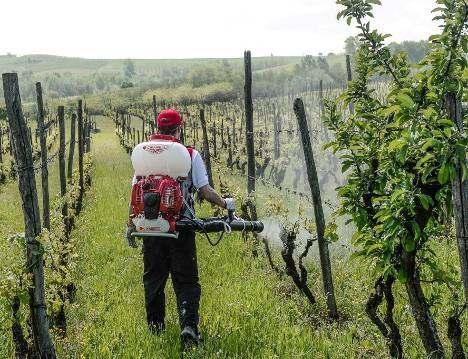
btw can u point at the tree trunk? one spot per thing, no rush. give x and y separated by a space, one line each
460 194
422 315
27 186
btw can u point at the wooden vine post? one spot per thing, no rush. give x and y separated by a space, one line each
223 144
350 78
155 114
41 125
71 151
460 194
318 210
213 130
12 144
276 133
88 135
1 145
249 138
249 143
79 203
43 344
206 147
229 159
62 173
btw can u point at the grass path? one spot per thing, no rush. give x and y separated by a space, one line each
241 313
246 311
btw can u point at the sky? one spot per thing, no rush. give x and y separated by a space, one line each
194 28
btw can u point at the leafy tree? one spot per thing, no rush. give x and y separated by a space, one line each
129 70
400 156
351 45
308 62
416 50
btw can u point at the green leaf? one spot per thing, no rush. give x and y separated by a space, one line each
423 160
396 144
405 100
416 230
391 110
409 245
402 275
346 166
429 143
23 297
445 122
425 201
444 173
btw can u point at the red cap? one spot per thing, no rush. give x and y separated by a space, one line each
168 118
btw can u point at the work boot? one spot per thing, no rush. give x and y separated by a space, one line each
189 336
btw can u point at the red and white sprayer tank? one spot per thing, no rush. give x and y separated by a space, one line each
156 197
160 157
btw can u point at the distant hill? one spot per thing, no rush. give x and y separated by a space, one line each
66 76
50 63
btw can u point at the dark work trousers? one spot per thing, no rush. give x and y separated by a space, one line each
177 257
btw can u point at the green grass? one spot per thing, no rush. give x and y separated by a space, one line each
246 310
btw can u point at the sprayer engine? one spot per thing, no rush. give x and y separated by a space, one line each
156 204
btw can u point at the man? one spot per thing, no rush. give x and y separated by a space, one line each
177 257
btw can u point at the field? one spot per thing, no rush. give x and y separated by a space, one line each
247 310
350 170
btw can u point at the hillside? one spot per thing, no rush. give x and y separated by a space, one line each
66 77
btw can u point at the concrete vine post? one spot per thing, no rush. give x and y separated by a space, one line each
43 344
41 126
318 210
460 194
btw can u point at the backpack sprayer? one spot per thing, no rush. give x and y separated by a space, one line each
159 208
